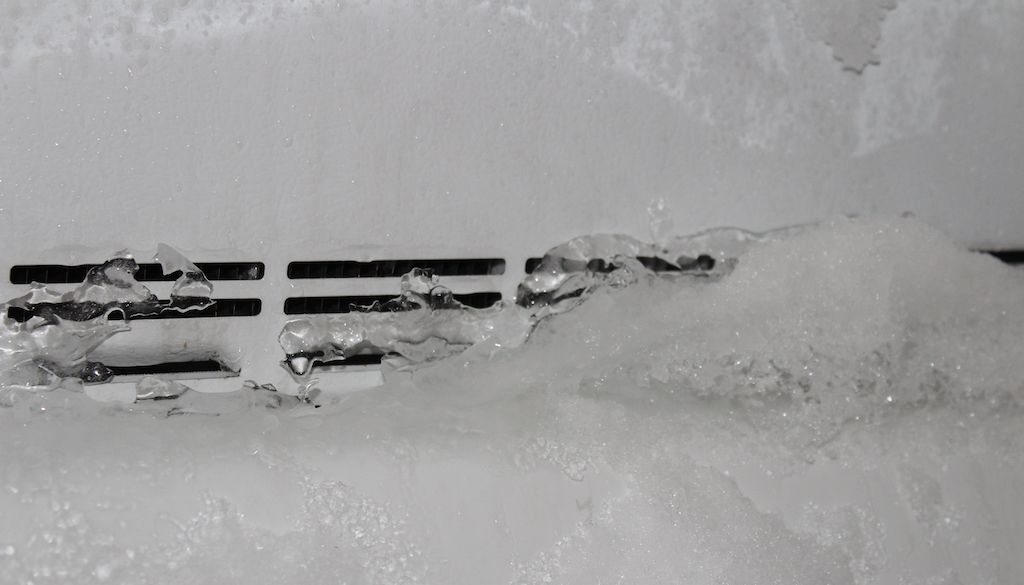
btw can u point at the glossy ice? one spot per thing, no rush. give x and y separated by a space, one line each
47 336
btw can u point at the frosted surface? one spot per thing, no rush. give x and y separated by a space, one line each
844 408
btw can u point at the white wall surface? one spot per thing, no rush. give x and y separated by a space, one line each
276 131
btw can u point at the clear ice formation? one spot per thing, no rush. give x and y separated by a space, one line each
192 284
425 323
47 336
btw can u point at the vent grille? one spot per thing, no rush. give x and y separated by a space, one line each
344 304
395 268
149 272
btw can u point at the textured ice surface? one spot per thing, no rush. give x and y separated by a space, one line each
844 407
57 331
423 323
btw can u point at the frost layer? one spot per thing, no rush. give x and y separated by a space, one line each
843 408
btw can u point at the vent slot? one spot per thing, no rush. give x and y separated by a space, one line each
654 264
343 304
1011 257
149 272
180 369
219 308
395 268
367 359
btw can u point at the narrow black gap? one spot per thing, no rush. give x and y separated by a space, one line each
150 272
370 359
394 268
1011 257
170 368
219 308
599 265
343 304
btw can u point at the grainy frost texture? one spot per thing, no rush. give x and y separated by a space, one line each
843 407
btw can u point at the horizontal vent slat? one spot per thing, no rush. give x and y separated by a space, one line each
199 366
395 268
343 304
219 308
149 272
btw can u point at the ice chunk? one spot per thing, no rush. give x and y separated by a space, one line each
423 323
153 388
568 271
48 335
192 284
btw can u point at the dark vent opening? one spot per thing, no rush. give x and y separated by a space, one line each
199 366
369 359
149 272
344 304
532 264
219 308
1011 257
395 268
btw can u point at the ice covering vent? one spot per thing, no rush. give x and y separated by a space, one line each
149 272
702 262
348 304
219 308
395 268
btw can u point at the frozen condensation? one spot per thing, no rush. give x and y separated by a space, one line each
842 406
57 331
424 323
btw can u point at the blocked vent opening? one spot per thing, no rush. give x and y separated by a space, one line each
1011 257
654 264
219 308
149 272
348 304
395 268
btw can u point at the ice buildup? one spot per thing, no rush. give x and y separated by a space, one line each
842 404
47 336
423 323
